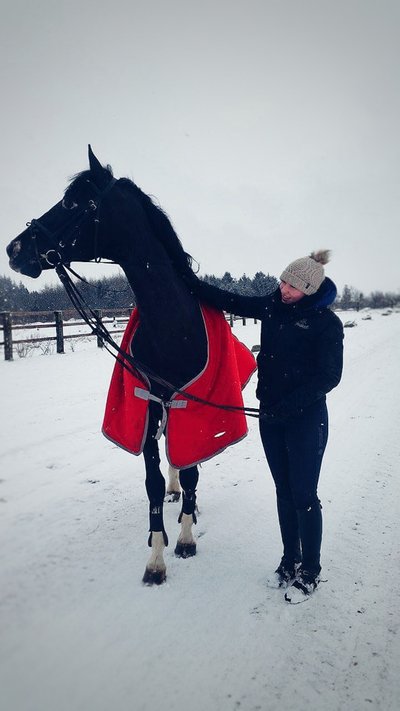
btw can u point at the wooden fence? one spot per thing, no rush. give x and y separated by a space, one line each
12 323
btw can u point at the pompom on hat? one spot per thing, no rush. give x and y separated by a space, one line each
307 273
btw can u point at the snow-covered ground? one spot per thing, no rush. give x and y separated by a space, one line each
79 631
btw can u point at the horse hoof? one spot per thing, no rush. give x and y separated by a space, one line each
154 577
185 550
172 496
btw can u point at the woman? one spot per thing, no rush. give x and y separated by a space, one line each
300 360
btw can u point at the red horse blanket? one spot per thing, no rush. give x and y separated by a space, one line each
194 431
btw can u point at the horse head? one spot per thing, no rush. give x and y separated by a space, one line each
70 230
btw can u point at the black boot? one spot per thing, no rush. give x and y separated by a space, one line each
284 575
156 522
301 587
307 578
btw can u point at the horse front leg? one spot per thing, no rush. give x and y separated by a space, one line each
156 571
186 544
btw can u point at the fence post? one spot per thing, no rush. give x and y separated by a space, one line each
59 331
99 314
244 321
7 329
231 320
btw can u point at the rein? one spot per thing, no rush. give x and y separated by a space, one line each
54 258
131 364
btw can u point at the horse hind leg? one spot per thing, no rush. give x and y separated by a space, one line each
186 544
173 488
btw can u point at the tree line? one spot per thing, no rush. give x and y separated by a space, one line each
106 293
115 292
352 298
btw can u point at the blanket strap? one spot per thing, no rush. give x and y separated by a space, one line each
146 395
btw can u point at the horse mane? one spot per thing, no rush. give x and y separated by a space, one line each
158 220
86 174
162 229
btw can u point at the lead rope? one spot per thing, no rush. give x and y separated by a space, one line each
131 364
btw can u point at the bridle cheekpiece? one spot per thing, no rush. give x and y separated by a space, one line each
91 211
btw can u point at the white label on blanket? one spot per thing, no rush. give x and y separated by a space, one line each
146 395
177 404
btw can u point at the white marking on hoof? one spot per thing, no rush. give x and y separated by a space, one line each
186 544
156 571
172 497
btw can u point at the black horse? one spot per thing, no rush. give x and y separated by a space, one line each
101 217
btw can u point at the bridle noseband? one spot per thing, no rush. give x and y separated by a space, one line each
89 212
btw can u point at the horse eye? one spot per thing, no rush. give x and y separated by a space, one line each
69 205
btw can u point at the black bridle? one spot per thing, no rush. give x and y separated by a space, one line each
89 212
54 258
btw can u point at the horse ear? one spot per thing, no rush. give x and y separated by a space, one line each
95 165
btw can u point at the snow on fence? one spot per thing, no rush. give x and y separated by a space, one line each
18 326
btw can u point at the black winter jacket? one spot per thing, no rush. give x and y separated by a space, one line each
301 356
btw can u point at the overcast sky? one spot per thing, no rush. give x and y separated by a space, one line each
265 128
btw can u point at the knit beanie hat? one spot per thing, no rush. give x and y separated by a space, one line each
307 273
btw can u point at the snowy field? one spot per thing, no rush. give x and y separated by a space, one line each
79 631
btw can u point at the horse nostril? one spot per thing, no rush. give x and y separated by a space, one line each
14 248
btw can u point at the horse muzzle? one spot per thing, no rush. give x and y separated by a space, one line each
19 262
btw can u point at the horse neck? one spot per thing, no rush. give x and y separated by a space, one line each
158 287
159 290
171 337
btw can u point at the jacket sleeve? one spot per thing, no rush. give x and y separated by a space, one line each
328 373
250 306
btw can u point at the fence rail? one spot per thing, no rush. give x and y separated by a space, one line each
13 322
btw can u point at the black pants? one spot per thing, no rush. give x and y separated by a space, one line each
294 452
